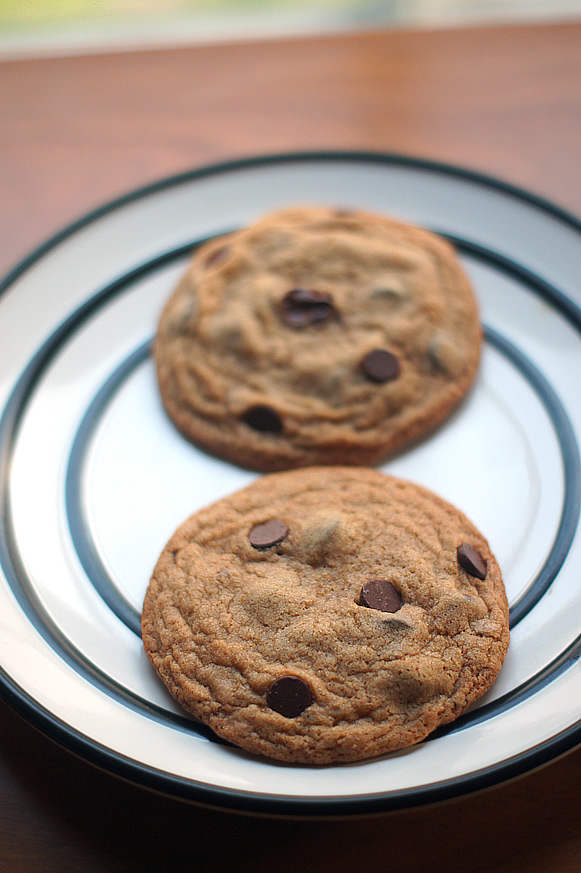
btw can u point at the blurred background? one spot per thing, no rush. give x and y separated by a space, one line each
68 26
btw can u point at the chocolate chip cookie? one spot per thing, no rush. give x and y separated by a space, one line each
329 614
317 336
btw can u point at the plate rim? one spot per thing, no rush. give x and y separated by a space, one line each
392 158
176 786
275 805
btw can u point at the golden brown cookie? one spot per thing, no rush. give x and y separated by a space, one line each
317 336
326 615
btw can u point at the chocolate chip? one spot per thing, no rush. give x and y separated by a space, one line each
301 308
471 561
380 594
289 695
218 256
380 365
263 419
268 533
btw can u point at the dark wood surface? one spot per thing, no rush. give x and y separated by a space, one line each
75 132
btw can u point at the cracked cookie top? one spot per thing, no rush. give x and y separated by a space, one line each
317 336
325 615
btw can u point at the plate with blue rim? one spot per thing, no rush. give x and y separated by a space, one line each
94 478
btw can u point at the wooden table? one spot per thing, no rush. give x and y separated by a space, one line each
75 132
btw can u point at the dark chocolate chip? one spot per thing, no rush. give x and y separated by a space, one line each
301 308
380 594
471 561
268 533
289 695
264 419
380 365
218 256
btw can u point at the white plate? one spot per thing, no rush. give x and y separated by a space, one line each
94 478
